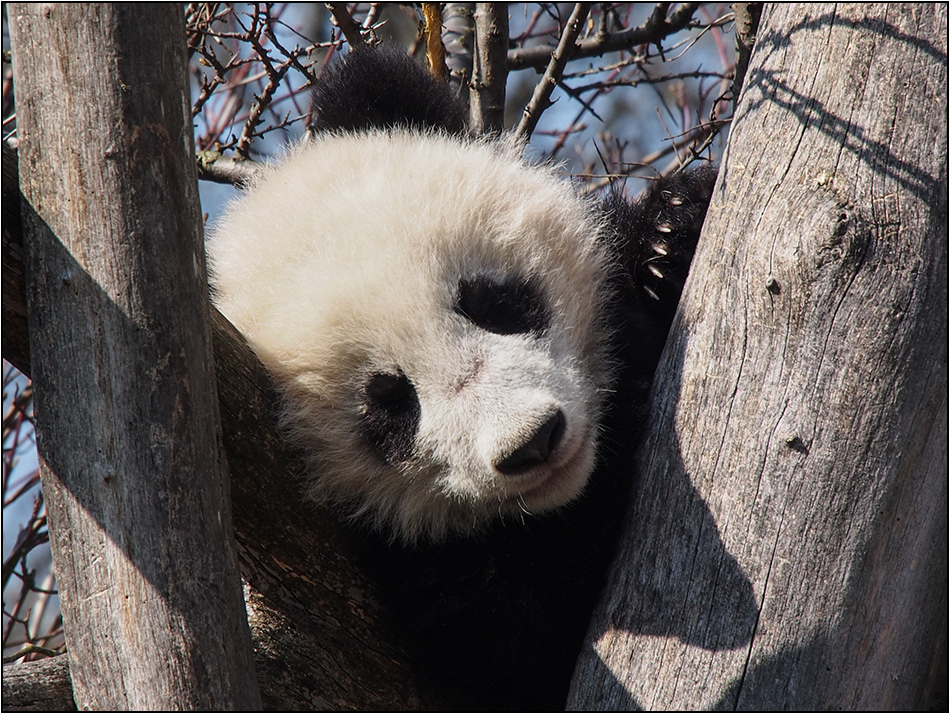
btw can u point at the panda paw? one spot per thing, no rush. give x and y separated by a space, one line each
656 235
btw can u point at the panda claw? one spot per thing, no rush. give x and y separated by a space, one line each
664 228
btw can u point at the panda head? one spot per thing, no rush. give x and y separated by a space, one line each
431 308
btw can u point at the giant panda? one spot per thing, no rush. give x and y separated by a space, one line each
463 345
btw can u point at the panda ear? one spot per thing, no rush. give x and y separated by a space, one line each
376 88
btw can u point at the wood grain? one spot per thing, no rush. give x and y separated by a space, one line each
787 548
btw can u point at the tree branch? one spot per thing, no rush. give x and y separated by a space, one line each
747 16
348 26
541 99
435 51
600 44
490 76
215 166
40 686
458 33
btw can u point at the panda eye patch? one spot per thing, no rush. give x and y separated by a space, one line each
390 414
505 307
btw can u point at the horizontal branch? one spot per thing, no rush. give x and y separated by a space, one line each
215 166
652 32
43 685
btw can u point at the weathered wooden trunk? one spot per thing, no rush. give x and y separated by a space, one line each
318 633
131 457
788 545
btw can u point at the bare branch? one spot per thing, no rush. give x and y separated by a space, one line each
435 52
43 685
541 98
601 44
214 166
348 26
458 32
221 40
748 15
275 75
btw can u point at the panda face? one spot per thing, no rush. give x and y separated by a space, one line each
431 309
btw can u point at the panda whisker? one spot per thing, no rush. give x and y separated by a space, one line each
524 507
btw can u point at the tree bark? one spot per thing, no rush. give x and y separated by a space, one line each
41 686
787 548
490 69
130 448
16 340
319 634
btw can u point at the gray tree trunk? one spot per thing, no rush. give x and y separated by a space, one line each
787 548
131 456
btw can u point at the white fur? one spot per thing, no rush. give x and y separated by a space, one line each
344 260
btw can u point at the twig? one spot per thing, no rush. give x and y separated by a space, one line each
541 98
351 31
600 44
214 166
28 650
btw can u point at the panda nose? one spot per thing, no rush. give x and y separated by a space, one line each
536 449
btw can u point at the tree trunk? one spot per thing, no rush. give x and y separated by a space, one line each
787 548
131 456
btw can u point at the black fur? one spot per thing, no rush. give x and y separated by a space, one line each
379 87
495 620
506 307
657 236
658 230
390 415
